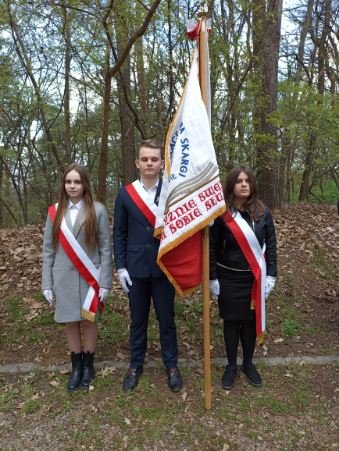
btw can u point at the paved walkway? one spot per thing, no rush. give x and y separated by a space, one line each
19 368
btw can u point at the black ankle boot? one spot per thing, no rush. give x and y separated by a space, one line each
76 374
88 372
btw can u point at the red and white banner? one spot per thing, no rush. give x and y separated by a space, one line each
191 195
83 264
255 257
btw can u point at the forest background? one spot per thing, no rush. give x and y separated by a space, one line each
86 80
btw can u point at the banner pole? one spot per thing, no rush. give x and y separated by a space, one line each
205 92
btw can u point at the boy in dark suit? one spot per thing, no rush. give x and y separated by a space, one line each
135 253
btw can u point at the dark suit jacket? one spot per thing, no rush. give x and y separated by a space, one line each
135 248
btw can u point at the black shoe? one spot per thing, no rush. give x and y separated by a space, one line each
228 377
174 379
88 371
252 374
76 374
132 378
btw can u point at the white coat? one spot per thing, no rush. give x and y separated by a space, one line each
59 273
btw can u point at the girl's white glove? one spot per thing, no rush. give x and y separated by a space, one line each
103 293
214 288
270 284
49 296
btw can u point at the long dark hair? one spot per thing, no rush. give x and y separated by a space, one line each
90 224
253 205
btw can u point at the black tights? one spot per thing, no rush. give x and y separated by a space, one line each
245 331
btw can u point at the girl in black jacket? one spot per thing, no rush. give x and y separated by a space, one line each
243 269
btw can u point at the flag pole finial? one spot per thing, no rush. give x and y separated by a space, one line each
203 9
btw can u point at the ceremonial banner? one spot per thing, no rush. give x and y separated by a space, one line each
192 195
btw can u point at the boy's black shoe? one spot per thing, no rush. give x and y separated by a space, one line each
174 379
132 378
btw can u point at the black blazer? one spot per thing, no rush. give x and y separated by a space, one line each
225 249
135 248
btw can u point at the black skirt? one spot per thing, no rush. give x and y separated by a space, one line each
235 294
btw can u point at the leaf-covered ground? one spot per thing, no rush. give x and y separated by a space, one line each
296 408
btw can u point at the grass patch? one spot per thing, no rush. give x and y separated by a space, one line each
291 322
113 327
15 310
8 400
312 330
44 319
107 418
19 328
290 327
326 269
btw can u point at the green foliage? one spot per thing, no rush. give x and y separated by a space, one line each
290 327
32 115
326 192
15 310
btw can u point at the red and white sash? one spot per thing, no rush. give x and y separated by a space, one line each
83 264
139 197
255 257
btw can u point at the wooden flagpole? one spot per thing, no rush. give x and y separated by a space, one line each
205 92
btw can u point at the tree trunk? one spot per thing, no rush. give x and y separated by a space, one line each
124 94
142 91
266 40
111 72
307 174
311 152
68 57
103 158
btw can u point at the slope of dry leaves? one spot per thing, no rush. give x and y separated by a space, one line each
306 293
294 410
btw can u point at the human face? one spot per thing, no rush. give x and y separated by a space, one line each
149 164
242 189
73 186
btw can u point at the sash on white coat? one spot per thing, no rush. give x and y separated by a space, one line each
83 264
255 257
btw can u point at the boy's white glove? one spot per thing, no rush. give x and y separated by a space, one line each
124 279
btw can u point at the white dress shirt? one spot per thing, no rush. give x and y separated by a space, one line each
150 192
74 210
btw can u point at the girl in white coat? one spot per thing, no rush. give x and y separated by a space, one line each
77 225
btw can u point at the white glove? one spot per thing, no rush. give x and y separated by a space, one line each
103 293
49 296
214 288
124 279
270 283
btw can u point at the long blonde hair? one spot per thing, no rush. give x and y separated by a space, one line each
90 223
